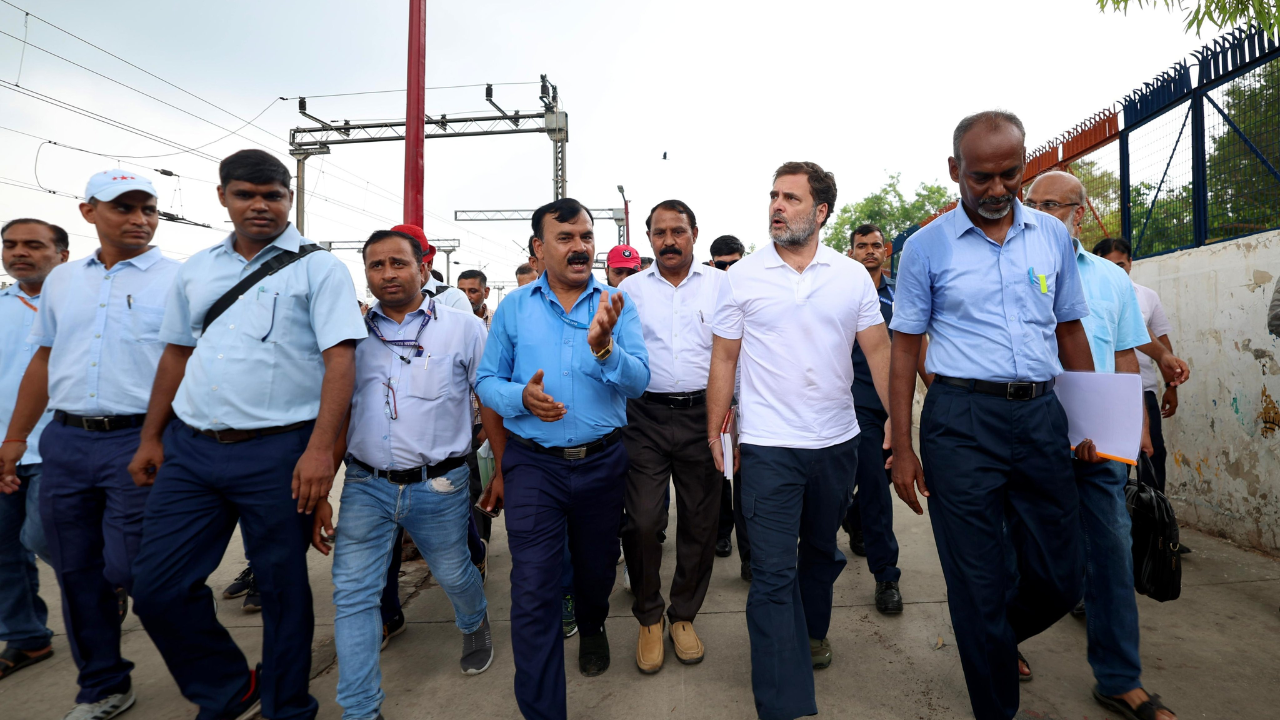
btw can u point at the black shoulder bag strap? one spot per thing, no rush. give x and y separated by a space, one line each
283 259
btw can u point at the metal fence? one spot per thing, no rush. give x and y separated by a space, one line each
1195 162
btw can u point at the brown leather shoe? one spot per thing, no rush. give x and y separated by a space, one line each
649 648
684 638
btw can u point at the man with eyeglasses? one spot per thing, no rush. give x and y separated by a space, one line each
564 355
1115 328
869 521
675 298
408 437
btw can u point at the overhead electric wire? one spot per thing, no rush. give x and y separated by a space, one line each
383 92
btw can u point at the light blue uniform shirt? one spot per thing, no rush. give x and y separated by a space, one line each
259 365
529 333
16 351
405 415
1115 319
103 328
982 302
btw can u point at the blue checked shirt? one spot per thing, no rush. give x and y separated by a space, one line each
103 330
987 314
259 365
17 315
529 333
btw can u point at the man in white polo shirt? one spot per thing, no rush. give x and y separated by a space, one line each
793 311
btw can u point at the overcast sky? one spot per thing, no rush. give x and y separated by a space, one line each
728 90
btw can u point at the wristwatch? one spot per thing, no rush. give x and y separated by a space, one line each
605 353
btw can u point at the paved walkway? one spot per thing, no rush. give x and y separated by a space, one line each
1214 653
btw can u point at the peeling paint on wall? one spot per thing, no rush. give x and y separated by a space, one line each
1224 444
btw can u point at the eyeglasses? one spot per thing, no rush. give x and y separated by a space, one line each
389 406
724 264
1047 206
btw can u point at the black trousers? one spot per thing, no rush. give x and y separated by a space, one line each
1157 437
665 445
872 508
484 523
731 517
1001 483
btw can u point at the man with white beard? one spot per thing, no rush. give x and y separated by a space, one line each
792 311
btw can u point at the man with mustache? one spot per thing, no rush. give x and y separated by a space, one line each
437 289
564 355
408 437
869 521
664 436
242 426
32 249
792 312
997 288
99 335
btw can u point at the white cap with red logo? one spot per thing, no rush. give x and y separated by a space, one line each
111 184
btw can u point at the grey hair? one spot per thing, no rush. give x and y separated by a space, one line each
992 118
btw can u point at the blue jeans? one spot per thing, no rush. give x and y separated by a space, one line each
23 615
1112 621
434 512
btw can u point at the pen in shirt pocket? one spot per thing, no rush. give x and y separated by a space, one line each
1038 280
129 299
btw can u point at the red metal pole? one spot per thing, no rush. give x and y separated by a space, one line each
415 114
626 214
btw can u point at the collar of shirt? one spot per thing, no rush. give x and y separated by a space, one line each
824 255
543 286
142 262
289 240
14 289
1022 220
694 269
422 310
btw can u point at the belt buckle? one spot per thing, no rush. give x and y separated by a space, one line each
1020 391
96 424
217 435
576 453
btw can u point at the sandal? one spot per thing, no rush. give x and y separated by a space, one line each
1148 710
1028 676
12 660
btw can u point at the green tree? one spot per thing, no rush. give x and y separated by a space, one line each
1220 13
1244 197
888 208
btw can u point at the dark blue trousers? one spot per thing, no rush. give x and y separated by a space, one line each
991 463
872 508
549 501
92 514
201 491
788 495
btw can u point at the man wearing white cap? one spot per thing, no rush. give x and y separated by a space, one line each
99 335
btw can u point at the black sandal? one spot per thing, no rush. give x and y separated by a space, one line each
1148 710
12 660
1028 676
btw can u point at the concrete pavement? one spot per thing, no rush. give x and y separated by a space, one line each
1213 653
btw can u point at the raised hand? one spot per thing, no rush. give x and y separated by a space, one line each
543 406
601 332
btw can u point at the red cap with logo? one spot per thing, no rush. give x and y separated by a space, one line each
623 256
415 232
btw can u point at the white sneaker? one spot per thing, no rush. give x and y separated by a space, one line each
626 579
105 709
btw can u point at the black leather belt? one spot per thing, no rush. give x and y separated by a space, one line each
678 400
1008 391
572 453
229 436
412 475
101 423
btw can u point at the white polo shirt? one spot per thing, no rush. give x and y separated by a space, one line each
677 325
1157 325
797 332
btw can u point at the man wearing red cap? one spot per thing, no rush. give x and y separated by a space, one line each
623 262
443 294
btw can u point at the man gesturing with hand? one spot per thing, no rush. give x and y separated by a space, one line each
563 356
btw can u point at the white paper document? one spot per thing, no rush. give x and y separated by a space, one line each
1105 408
726 447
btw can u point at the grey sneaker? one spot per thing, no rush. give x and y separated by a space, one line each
477 649
105 709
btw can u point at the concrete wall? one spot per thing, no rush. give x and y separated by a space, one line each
1224 444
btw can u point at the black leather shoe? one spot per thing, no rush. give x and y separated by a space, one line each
724 548
1078 611
746 570
888 598
856 544
593 654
